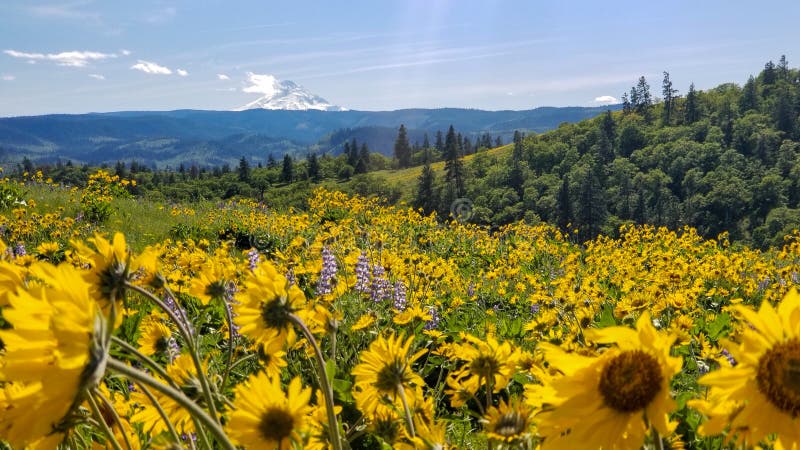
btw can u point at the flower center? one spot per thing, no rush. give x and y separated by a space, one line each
509 425
275 313
484 366
276 424
778 376
216 289
390 376
630 381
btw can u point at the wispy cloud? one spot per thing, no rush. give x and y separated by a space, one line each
97 76
182 72
66 10
223 77
151 68
162 15
9 78
261 84
70 59
124 52
606 100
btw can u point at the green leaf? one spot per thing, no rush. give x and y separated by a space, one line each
330 369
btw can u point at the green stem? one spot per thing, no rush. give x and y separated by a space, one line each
117 419
190 343
176 395
409 418
657 439
327 390
98 416
231 336
161 412
145 359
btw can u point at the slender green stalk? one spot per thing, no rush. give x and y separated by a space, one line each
409 418
117 419
145 359
98 416
161 411
657 439
196 411
187 336
325 385
231 343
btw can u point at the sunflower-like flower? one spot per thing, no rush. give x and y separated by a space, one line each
486 362
211 282
110 264
509 423
155 337
605 401
265 417
54 351
272 357
760 395
385 369
265 305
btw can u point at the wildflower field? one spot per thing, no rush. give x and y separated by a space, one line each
352 324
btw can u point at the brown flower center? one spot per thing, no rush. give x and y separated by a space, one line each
275 313
510 425
630 381
778 376
485 366
390 376
276 424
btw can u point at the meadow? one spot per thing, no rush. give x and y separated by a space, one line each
351 323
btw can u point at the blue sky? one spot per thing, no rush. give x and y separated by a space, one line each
73 56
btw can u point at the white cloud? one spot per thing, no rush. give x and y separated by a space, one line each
125 52
230 89
223 77
97 76
9 78
70 59
182 72
606 100
261 84
151 68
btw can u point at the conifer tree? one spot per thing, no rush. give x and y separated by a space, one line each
287 172
692 113
453 166
402 151
669 99
313 167
749 99
244 170
426 192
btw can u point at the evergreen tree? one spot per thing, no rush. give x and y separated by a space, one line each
564 204
362 165
426 192
783 68
402 151
468 150
692 112
784 112
453 166
516 176
287 172
749 99
271 163
626 104
498 142
669 99
608 127
426 143
591 213
313 167
244 170
439 145
643 98
768 75
352 157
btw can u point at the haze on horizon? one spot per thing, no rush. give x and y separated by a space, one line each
74 56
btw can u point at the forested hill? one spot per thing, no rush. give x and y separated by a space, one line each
725 159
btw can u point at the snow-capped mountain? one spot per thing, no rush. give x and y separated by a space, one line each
283 94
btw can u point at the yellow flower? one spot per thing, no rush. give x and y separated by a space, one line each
265 305
486 362
211 282
110 264
265 417
509 423
385 371
155 337
273 357
53 352
760 395
363 322
605 401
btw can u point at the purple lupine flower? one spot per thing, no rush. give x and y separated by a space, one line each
79 217
173 349
290 278
19 250
535 308
729 357
399 295
328 273
763 284
362 273
189 437
179 312
252 259
471 290
380 285
434 322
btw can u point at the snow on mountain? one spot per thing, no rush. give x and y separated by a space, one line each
282 94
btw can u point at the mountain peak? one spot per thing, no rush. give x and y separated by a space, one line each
283 94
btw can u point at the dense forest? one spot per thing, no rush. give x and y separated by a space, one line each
722 160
